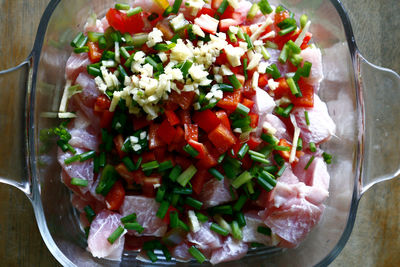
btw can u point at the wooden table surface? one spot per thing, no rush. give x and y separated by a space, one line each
375 239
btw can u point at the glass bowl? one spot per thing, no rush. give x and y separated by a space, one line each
367 125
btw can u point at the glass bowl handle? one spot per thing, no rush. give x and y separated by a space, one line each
14 105
380 93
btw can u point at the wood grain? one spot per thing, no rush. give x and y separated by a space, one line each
374 241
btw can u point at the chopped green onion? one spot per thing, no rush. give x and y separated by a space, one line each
250 187
293 87
282 148
279 160
134 11
268 177
287 30
306 117
273 71
241 179
236 231
327 157
76 41
245 68
174 219
185 67
134 226
194 203
296 59
161 193
223 209
153 63
234 81
175 172
240 219
162 210
242 109
107 179
166 253
102 42
139 39
306 69
150 165
201 217
256 154
72 159
221 158
83 49
87 155
191 150
93 71
299 146
279 9
218 229
129 61
185 176
94 36
151 255
129 164
271 168
224 5
196 253
271 45
265 53
269 138
240 34
281 170
128 218
182 191
79 182
115 235
164 47
283 56
124 52
312 146
248 40
240 203
256 245
309 162
102 159
175 199
260 160
264 230
122 6
166 165
232 37
214 172
253 11
265 7
225 87
175 38
243 150
264 184
303 20
90 214
284 112
176 6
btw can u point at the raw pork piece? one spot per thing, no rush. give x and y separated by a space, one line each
100 26
104 224
76 64
264 103
181 253
313 55
275 122
249 231
89 90
205 239
215 192
82 170
321 126
82 134
145 209
231 250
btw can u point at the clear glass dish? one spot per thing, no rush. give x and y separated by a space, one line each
352 89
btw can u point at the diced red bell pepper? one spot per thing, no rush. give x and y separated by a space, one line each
207 120
121 22
170 105
159 153
154 139
222 138
129 177
191 132
149 183
148 156
248 103
221 59
172 117
254 142
119 142
306 40
199 148
167 218
307 90
286 154
95 52
115 196
179 136
206 11
140 122
281 16
247 163
263 80
199 179
253 120
241 78
164 27
102 103
230 100
223 117
184 162
184 99
106 119
184 116
248 90
207 23
166 132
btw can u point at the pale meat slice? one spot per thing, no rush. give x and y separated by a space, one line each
215 192
89 90
145 209
76 64
229 251
313 55
278 125
264 103
321 126
290 214
205 239
104 224
249 231
82 170
181 252
82 134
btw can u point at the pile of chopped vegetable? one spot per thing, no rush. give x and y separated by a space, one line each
183 90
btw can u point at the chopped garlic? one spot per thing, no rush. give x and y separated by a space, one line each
116 52
272 84
262 67
254 61
295 139
154 37
198 31
261 29
254 82
193 221
225 70
233 29
303 33
234 54
269 128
